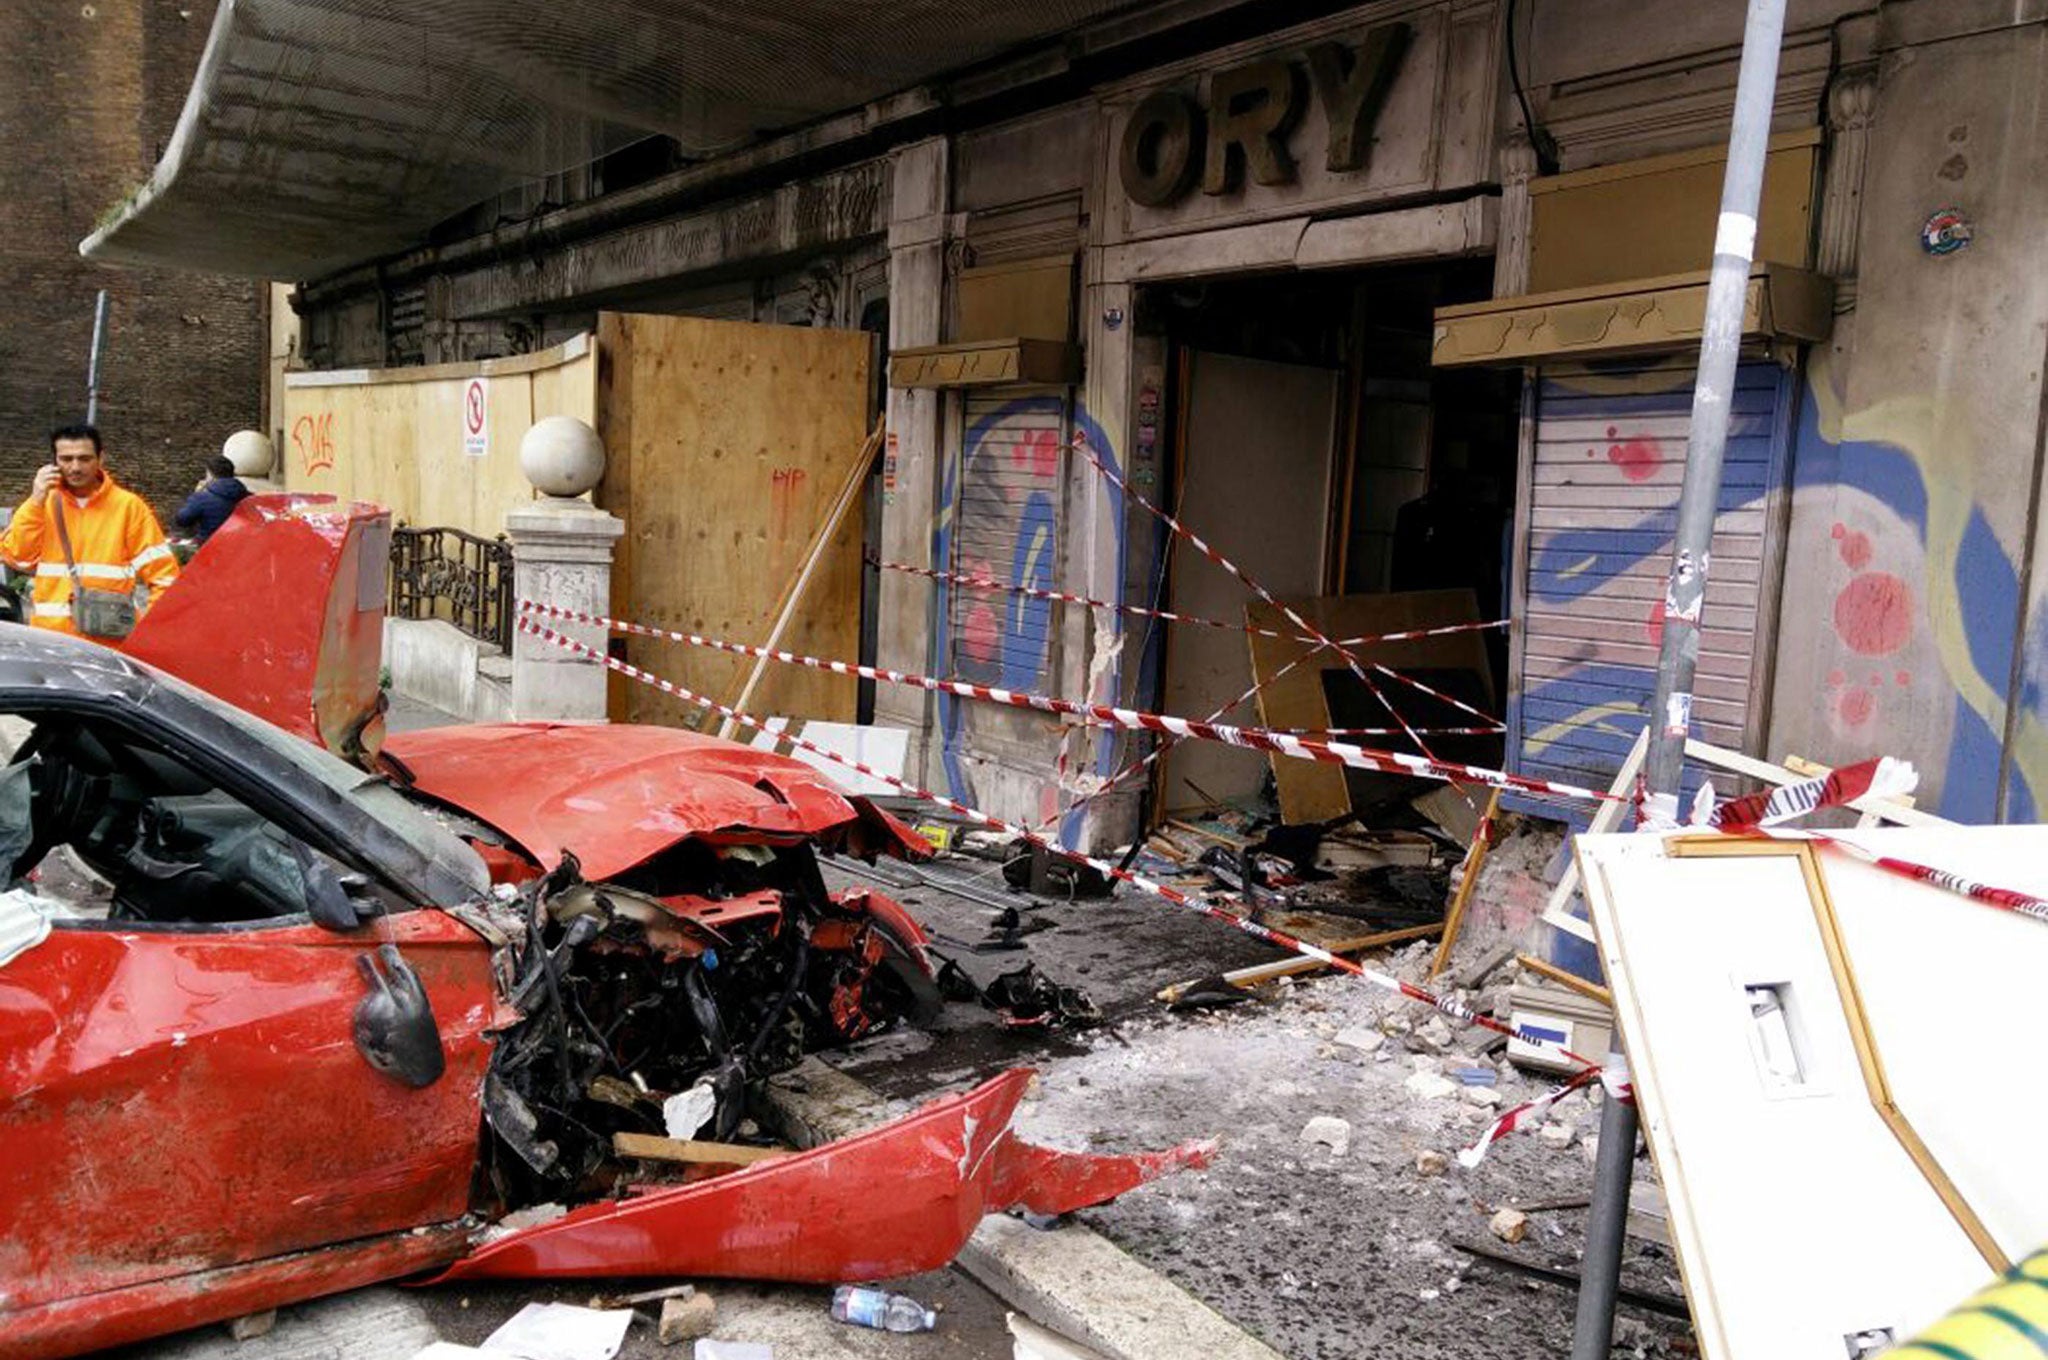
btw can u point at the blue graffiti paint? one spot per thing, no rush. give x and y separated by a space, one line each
1105 740
1020 655
1987 593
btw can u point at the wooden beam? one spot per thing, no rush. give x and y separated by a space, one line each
1267 972
654 1148
1592 991
1475 857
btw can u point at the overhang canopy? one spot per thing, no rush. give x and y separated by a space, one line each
323 133
1637 317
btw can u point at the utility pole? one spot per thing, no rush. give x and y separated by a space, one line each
92 365
1685 594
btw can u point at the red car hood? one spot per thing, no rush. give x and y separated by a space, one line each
617 796
314 569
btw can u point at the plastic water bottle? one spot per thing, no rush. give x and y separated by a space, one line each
877 1308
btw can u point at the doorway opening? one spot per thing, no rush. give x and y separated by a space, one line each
1310 440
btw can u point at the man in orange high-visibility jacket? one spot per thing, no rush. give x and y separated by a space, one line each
115 538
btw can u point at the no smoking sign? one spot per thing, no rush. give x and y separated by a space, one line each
476 417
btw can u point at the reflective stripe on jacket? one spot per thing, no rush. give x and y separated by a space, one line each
115 541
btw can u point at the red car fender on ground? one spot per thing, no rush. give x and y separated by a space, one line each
899 1200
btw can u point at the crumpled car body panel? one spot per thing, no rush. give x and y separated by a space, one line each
617 796
898 1200
317 570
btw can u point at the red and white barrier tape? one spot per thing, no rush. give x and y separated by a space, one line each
1248 738
1160 749
1527 1115
974 582
1454 1010
1882 777
1439 695
1286 611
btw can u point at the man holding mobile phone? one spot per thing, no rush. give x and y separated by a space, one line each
86 540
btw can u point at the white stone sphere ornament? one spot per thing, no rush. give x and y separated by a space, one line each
251 453
562 456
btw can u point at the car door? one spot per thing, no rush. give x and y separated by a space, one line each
179 1097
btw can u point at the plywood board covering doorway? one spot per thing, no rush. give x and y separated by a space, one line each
727 442
1254 482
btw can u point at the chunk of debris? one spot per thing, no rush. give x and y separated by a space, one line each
1363 1039
1332 1132
1509 1225
1434 1034
690 1111
687 1318
1430 1162
254 1325
1486 1097
1557 1135
1431 1085
673 1291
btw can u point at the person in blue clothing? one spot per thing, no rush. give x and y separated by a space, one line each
209 507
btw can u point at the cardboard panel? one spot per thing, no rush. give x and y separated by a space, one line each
727 444
1311 791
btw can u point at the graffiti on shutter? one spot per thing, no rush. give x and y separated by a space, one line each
1007 528
1610 454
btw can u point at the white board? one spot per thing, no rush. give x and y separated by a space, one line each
879 748
1798 1217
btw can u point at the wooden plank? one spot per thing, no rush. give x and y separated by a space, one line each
731 440
396 438
820 541
1268 972
654 1148
1475 859
1592 991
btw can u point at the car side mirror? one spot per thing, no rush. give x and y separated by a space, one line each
394 1025
327 897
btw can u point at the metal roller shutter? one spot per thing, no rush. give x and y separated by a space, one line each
1602 504
1007 526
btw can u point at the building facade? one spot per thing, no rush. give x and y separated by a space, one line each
99 87
1379 298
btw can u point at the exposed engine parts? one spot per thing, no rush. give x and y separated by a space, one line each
636 992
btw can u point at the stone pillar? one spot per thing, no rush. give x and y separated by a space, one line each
561 555
919 193
1852 100
562 549
1511 252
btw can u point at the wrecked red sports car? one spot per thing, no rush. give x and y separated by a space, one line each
273 1025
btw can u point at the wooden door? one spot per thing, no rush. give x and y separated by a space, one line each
728 443
1254 482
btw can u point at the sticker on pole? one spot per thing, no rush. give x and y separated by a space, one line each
476 417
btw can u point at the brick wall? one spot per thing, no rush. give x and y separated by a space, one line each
89 93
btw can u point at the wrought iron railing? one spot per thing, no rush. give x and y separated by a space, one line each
455 576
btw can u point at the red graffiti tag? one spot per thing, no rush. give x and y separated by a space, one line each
313 441
1874 614
1037 453
785 489
978 634
1857 707
1638 459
